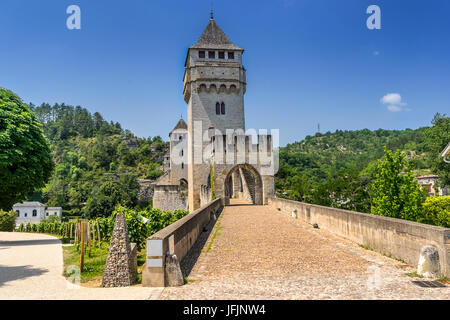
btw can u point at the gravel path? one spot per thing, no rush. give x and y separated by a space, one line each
255 252
31 267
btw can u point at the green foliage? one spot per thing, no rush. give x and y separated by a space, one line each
138 230
7 221
395 192
153 171
336 169
123 190
97 162
437 138
25 159
437 211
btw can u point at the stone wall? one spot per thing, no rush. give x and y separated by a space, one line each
205 195
178 238
400 238
170 197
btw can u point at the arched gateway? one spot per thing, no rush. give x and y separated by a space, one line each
244 182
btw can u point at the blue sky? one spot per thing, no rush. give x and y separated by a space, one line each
307 61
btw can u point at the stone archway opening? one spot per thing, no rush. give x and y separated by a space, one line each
244 182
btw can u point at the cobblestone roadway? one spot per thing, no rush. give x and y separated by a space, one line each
260 253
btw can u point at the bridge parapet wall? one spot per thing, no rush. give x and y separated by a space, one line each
177 238
401 239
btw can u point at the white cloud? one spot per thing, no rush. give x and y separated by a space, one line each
394 108
376 53
394 102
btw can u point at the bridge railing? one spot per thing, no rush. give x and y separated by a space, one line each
398 238
177 238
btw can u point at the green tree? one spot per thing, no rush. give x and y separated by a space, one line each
437 138
395 192
25 159
123 191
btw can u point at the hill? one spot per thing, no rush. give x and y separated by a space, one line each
97 162
335 169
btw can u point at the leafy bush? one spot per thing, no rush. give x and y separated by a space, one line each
7 221
437 211
138 231
395 192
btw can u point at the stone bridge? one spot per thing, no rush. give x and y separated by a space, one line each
244 251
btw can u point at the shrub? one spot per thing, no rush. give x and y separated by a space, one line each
7 221
437 211
138 231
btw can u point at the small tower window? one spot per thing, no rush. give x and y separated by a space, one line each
181 138
217 108
221 55
222 108
230 55
34 213
211 54
18 213
201 54
182 152
182 165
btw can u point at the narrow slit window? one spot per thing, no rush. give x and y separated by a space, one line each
222 108
217 108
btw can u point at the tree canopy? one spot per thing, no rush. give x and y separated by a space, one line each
25 159
395 191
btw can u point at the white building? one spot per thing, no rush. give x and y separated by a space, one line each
34 212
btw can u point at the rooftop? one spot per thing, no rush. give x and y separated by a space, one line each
29 204
214 38
181 125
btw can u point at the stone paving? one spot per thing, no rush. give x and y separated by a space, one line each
255 252
31 267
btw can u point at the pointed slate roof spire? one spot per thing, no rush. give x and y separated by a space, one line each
181 125
214 38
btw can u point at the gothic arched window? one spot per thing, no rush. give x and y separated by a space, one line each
222 108
217 108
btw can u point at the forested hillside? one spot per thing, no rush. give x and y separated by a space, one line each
335 169
97 162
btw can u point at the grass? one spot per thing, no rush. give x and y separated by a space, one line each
443 279
216 233
366 247
94 264
186 280
414 275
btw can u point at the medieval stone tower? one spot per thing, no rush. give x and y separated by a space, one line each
221 156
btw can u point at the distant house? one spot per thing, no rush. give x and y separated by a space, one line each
34 212
446 154
428 182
